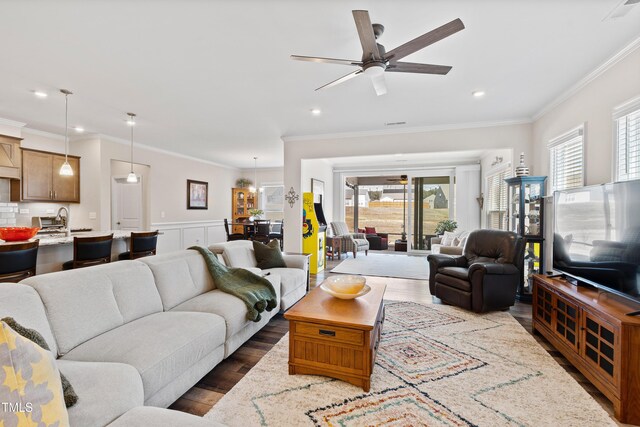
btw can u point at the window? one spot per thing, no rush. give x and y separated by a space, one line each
627 137
567 160
497 200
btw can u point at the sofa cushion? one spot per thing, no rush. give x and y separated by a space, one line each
232 309
269 255
160 346
144 416
238 253
448 238
87 302
29 376
290 279
454 282
24 304
179 276
106 390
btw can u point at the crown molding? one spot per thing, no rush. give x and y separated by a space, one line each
417 129
163 151
7 122
619 56
49 135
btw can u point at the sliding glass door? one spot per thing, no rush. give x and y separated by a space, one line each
431 198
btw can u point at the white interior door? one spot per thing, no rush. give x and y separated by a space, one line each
126 205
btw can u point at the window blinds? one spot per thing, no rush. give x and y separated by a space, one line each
497 200
628 146
567 160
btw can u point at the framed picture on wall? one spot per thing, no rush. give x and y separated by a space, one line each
317 188
197 194
273 198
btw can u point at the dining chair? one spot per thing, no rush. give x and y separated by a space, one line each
262 229
232 236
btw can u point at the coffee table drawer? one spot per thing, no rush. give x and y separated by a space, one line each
331 333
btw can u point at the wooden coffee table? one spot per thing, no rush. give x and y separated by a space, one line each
336 338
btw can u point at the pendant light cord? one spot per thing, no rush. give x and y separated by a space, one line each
66 127
132 126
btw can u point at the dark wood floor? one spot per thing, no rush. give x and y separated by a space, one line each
201 398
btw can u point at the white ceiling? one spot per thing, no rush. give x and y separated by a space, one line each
213 79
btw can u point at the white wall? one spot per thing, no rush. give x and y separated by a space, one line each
591 105
322 170
516 137
467 191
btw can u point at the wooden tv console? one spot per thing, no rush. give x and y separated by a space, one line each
592 330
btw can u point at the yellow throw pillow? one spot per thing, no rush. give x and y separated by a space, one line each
30 387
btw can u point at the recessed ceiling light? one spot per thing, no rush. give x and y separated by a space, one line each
398 154
316 111
395 123
40 94
478 93
79 129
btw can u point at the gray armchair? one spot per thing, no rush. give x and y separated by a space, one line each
485 277
350 242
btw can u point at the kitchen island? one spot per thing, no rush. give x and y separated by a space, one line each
55 249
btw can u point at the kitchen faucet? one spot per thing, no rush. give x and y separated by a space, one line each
67 224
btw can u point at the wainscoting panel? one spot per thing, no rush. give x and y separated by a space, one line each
175 236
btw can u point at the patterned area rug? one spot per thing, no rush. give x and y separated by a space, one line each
437 365
385 265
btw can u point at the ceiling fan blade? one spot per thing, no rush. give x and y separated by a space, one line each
424 40
367 37
341 80
379 84
326 60
412 67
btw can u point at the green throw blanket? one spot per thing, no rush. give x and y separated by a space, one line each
256 292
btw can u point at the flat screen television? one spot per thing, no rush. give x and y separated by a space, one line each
597 236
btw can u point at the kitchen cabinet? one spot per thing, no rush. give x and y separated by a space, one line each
41 179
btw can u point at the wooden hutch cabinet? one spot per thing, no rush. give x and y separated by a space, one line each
526 217
594 331
241 201
41 180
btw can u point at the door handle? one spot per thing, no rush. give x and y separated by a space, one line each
55 194
51 194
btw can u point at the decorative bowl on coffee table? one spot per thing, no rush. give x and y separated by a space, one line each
345 286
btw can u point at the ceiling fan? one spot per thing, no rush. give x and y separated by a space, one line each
403 179
375 60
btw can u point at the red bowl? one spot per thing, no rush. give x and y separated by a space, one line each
14 234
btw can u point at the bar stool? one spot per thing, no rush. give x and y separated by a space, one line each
88 251
141 245
18 261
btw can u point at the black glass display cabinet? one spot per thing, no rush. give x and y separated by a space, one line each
525 216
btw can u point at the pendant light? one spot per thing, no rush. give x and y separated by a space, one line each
253 187
132 178
65 169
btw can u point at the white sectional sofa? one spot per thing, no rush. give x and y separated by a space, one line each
131 335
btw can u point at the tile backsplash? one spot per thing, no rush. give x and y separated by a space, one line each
8 209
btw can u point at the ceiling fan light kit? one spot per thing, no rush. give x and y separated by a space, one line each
376 61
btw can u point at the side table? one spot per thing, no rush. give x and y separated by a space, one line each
400 246
334 244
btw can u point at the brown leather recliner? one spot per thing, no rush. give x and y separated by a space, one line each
485 277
